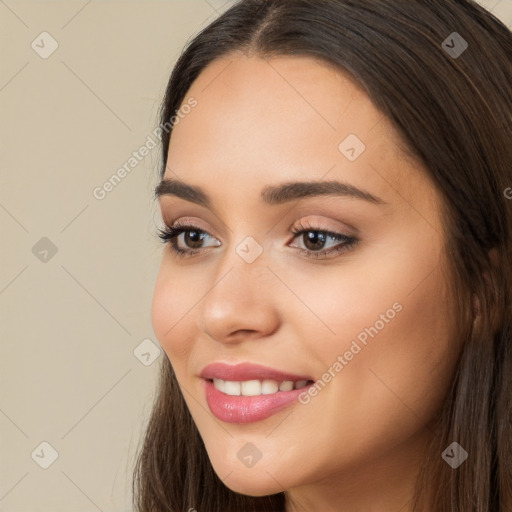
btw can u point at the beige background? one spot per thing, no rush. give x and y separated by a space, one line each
71 321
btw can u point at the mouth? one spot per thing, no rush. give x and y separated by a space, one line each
257 387
248 371
247 393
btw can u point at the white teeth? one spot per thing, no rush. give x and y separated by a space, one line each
219 384
256 387
286 385
269 386
251 388
232 387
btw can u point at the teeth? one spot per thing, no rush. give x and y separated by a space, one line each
286 385
256 387
251 388
232 387
269 386
219 384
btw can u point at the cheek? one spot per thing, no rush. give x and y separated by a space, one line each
416 356
384 296
170 313
389 321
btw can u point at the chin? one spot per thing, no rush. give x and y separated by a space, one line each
254 481
253 487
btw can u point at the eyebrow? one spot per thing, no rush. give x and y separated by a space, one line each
272 194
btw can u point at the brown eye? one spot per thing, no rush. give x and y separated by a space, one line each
315 240
193 238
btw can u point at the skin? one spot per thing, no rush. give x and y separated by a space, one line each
359 443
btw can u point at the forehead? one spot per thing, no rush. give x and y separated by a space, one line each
249 101
261 121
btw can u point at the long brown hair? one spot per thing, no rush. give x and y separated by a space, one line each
454 113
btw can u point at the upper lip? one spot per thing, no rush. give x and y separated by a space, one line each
247 371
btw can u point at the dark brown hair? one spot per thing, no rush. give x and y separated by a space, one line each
455 116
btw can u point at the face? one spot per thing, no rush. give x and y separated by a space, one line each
341 287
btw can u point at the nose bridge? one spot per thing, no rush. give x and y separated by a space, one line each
246 256
242 275
239 297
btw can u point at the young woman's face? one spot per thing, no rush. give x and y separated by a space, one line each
370 321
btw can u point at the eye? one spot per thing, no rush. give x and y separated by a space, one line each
193 237
314 239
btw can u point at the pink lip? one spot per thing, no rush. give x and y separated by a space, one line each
247 371
247 409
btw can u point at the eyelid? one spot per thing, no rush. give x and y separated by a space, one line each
309 219
320 223
184 221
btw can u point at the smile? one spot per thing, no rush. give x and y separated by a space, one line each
256 387
246 392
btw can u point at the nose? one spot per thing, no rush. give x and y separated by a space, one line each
241 303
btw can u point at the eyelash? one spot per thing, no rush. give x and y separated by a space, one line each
169 234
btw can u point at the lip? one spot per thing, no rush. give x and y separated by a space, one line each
248 409
247 371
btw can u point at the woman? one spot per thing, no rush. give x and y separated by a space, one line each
334 294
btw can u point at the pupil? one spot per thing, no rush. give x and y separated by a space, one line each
317 239
194 238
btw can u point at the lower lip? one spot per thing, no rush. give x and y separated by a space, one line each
246 409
